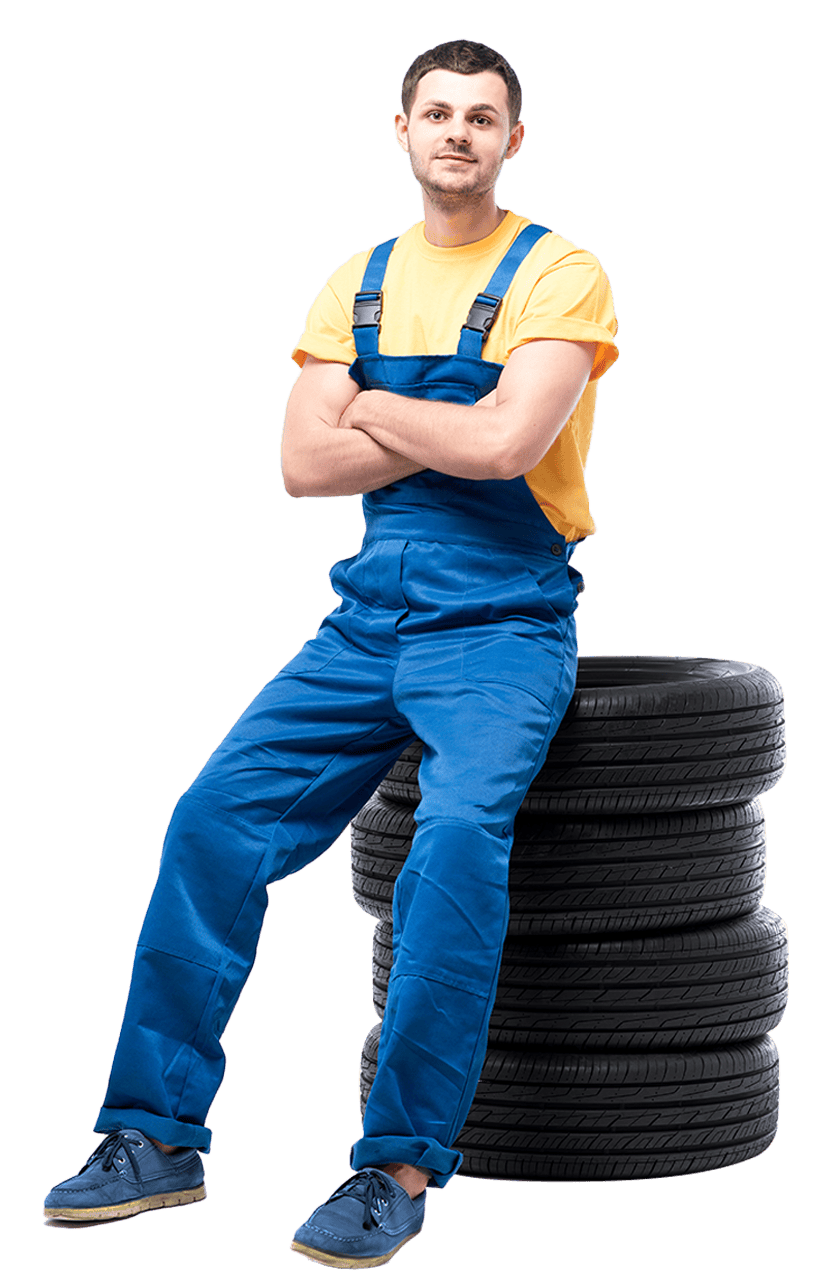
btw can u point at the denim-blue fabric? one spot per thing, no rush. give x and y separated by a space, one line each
455 626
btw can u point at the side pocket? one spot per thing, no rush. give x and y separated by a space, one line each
339 575
559 584
314 656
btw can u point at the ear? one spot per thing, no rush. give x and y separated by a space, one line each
402 131
515 141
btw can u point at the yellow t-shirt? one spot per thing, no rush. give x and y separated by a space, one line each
558 292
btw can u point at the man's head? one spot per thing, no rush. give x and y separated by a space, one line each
466 58
461 104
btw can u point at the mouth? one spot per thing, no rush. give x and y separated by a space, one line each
466 159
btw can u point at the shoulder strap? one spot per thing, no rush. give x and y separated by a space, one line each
486 305
367 304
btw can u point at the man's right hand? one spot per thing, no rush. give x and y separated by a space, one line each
320 460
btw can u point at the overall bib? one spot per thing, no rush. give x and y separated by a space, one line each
456 626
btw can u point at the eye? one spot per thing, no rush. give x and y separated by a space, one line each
482 120
432 114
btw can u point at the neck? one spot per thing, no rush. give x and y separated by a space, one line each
449 224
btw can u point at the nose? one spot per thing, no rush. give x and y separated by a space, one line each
458 131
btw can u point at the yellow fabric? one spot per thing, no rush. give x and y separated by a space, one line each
559 291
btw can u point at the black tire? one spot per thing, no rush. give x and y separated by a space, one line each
538 1116
677 990
650 735
604 875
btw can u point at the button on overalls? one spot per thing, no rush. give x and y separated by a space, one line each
456 626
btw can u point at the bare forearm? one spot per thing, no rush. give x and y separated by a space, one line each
504 435
318 460
470 441
330 463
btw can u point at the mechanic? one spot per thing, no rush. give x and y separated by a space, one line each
449 377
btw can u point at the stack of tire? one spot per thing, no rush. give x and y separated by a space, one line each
640 974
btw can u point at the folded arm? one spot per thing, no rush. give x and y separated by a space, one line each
318 460
503 436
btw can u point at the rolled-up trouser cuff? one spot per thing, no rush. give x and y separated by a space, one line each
422 1153
173 1133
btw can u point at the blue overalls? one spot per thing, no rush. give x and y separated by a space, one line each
456 626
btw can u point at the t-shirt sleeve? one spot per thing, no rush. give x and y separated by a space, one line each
572 300
328 334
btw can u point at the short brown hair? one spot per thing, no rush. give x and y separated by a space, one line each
467 58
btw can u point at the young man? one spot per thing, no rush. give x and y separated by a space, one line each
448 377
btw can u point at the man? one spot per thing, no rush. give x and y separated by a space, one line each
456 626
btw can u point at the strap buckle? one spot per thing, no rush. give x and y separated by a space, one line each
483 312
367 309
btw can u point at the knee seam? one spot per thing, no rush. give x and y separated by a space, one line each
476 827
194 797
440 981
176 955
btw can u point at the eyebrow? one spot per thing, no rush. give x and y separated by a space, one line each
446 106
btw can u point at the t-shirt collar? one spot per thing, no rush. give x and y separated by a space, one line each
498 239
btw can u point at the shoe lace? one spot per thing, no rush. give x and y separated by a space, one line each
108 1150
374 1188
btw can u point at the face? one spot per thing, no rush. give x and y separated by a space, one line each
457 134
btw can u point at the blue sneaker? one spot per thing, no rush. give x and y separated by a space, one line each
363 1223
125 1175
